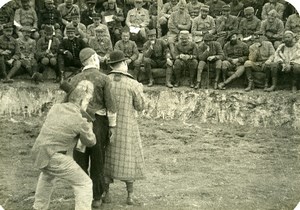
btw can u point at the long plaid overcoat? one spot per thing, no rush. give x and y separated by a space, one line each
124 159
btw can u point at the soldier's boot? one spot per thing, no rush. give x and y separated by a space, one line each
150 76
60 70
136 73
12 72
129 187
218 72
198 83
268 74
250 80
294 85
274 84
177 76
168 77
224 74
106 198
222 85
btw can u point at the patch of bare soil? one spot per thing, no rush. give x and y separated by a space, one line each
189 166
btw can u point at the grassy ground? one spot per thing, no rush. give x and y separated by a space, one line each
189 166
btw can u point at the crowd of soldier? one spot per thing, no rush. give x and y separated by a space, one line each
178 36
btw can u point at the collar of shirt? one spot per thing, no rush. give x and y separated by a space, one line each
89 67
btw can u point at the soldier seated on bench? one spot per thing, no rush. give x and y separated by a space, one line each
157 54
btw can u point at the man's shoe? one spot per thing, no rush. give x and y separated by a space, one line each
191 85
176 84
129 200
294 89
216 86
150 84
169 85
8 80
197 86
96 203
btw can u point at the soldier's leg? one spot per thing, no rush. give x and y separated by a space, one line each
147 65
224 69
178 66
248 68
238 73
61 68
273 72
295 76
192 65
200 68
218 65
16 67
3 67
169 72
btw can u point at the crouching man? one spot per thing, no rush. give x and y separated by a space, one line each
65 124
157 54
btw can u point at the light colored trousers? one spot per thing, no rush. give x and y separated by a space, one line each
63 167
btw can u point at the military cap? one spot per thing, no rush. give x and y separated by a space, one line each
181 3
91 2
70 28
96 15
230 34
273 13
289 32
8 26
138 0
184 32
111 1
205 8
48 29
226 7
249 10
152 32
208 37
86 53
116 56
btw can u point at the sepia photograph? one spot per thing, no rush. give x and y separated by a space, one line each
150 104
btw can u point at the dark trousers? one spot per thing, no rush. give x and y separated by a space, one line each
95 155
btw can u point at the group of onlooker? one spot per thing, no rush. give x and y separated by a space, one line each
184 38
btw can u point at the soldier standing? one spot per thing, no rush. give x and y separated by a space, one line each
293 24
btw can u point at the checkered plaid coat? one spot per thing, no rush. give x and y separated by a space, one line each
124 159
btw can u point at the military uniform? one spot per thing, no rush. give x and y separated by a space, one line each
293 24
47 57
156 55
249 27
205 50
50 17
225 25
234 59
12 58
194 8
67 12
269 6
164 16
215 7
236 9
202 26
273 31
189 50
80 31
138 18
130 51
27 18
178 21
259 53
69 54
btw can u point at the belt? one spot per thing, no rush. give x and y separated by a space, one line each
62 152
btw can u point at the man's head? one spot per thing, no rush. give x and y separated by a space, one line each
249 13
289 38
8 29
111 4
69 3
258 37
232 37
152 35
96 18
207 38
117 60
100 32
184 37
226 10
88 56
174 2
70 31
272 15
48 32
138 4
75 18
25 4
80 95
125 35
272 1
49 4
181 5
204 11
90 4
